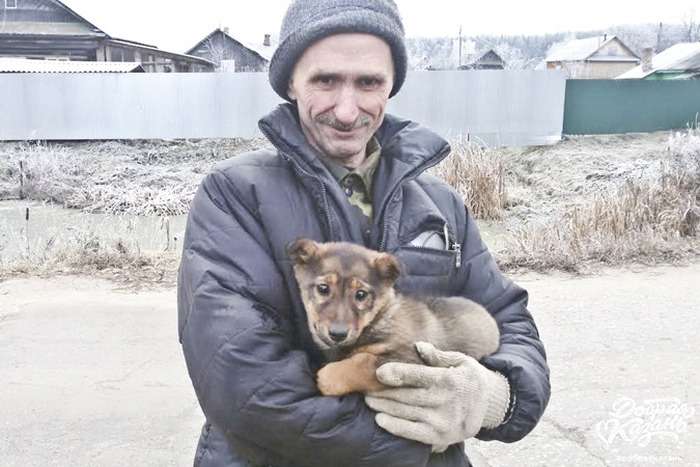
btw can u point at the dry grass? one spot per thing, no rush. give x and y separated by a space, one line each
684 147
102 246
85 252
569 207
478 175
645 221
138 178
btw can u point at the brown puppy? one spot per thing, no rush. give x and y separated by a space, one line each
359 322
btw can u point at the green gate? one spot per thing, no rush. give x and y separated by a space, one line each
629 106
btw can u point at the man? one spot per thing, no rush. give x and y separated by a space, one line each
342 170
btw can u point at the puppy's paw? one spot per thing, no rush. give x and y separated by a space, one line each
330 383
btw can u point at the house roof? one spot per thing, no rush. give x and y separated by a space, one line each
681 57
133 43
31 28
582 49
479 56
69 10
483 58
82 28
24 65
263 51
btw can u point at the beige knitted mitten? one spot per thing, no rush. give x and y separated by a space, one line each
441 404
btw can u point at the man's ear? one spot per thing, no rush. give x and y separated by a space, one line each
290 90
387 267
302 251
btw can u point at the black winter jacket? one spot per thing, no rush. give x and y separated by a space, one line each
243 328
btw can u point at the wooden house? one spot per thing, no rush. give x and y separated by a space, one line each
151 57
488 60
680 61
599 57
50 30
46 29
230 54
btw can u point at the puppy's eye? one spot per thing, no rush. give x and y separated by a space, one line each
360 295
323 289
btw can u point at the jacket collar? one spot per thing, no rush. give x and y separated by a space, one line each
406 146
408 149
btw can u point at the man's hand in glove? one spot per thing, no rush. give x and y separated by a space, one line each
443 403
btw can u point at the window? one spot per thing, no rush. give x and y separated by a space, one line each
116 55
10 4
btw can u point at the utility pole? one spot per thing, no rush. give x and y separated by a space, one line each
460 47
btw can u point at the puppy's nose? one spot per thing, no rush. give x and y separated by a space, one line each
338 332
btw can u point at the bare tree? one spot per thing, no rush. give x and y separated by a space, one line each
691 27
514 57
215 50
659 36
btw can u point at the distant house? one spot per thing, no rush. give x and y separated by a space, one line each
599 57
50 30
230 54
46 29
489 60
681 61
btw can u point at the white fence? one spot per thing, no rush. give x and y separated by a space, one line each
509 108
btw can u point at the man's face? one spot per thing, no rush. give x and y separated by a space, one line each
341 85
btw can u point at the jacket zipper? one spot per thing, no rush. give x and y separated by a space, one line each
451 245
417 171
454 246
299 170
457 248
326 210
385 228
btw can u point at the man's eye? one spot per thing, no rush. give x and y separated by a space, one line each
323 289
361 295
369 82
325 80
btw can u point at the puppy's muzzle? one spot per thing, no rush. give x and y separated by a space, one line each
338 332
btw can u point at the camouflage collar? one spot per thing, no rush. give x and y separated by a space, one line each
365 171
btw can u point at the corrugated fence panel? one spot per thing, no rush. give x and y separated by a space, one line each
629 106
132 106
500 107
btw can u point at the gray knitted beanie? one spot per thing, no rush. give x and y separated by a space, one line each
308 21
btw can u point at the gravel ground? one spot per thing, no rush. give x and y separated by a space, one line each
94 375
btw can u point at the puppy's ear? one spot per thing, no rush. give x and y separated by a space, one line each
302 251
387 267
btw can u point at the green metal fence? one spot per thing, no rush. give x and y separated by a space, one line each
629 106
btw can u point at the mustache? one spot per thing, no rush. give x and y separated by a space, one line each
327 119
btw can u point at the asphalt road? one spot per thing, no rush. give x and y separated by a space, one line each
94 376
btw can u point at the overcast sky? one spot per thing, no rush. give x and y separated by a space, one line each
177 25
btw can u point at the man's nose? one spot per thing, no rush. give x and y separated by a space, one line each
346 109
338 332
